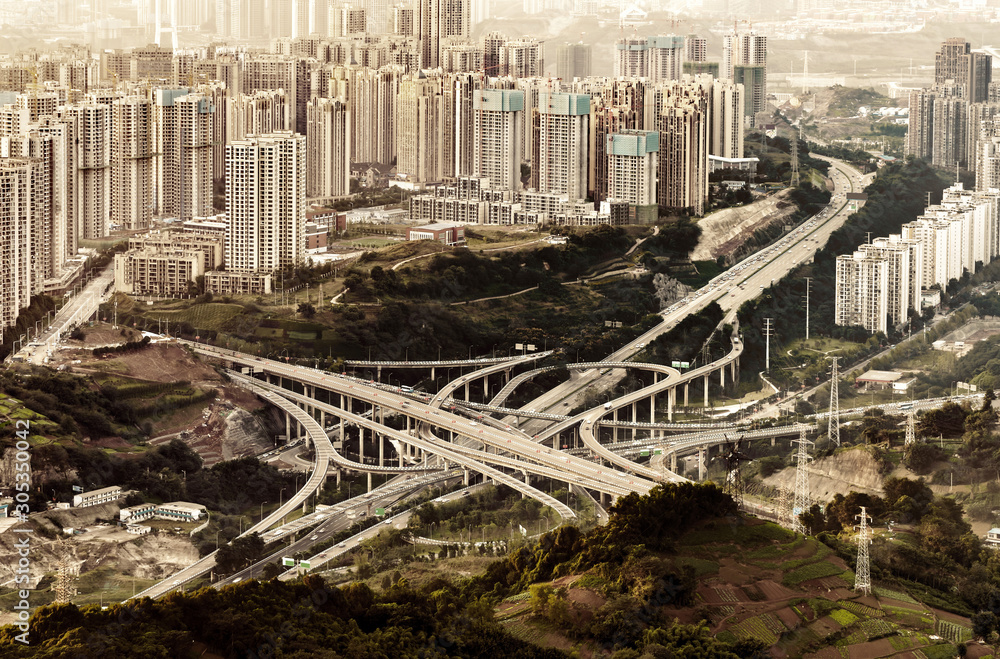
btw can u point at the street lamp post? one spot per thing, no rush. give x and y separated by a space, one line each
262 509
280 493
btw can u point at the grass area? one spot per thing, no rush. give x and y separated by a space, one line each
701 566
210 315
845 618
811 571
900 596
369 243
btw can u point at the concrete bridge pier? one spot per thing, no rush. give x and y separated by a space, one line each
467 392
369 481
614 430
378 373
652 408
686 384
706 389
465 477
702 452
635 419
671 401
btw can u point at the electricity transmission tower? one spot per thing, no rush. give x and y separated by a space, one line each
795 161
768 332
801 505
863 577
833 432
784 511
911 435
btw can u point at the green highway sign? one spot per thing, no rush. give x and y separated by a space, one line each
657 451
644 452
379 512
305 565
287 562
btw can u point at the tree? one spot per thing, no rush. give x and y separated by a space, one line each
983 624
306 309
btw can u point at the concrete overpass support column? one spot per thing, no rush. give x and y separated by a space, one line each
465 477
338 479
378 377
772 441
614 430
652 408
381 451
635 419
686 394
706 389
432 374
288 427
322 418
722 376
369 481
361 444
467 391
671 401
702 451
673 462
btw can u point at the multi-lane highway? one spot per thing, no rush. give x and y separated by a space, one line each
497 449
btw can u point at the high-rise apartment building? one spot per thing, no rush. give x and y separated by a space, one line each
17 280
425 128
328 148
744 60
631 57
683 159
562 147
573 60
727 122
522 58
264 111
265 202
131 163
696 48
632 169
182 165
862 280
956 63
436 20
93 160
496 148
666 58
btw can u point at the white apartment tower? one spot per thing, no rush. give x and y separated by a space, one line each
631 60
182 175
632 169
563 145
328 148
744 60
666 58
727 127
131 163
498 115
265 202
861 300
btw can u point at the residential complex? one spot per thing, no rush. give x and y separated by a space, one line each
125 141
881 283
